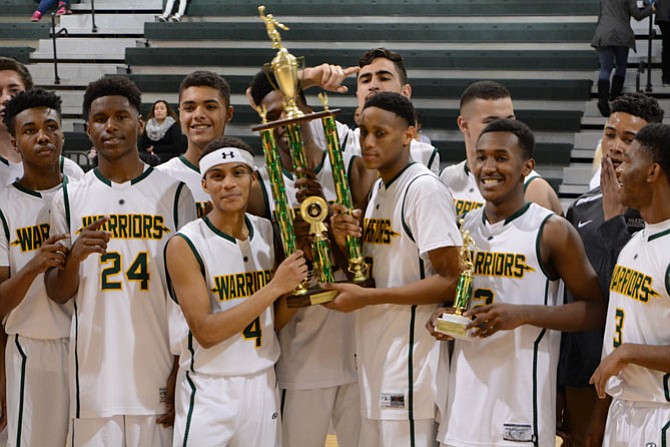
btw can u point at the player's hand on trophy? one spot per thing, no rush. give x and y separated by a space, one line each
431 324
51 254
290 273
90 240
350 297
343 224
489 319
328 77
609 366
307 185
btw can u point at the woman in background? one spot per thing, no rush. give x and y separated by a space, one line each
613 39
162 138
46 5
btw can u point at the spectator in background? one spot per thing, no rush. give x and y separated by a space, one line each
46 5
663 22
162 138
168 11
613 38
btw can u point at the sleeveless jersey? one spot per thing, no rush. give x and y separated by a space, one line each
11 172
233 270
179 168
507 381
404 220
463 185
25 227
119 357
317 344
421 152
639 312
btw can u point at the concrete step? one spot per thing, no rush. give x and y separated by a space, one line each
85 49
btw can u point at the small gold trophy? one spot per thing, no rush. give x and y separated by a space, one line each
455 324
314 210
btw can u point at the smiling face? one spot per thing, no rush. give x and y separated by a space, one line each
203 114
379 76
39 137
113 127
618 135
385 139
633 172
500 168
228 185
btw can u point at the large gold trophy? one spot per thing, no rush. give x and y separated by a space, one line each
314 210
454 324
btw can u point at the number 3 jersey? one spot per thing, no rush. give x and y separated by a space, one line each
639 312
233 271
502 388
119 357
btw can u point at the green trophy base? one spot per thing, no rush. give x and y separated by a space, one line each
454 326
314 296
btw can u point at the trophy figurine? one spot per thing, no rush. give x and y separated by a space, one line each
455 324
314 210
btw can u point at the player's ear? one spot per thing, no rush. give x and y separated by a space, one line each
409 135
406 91
140 124
12 140
229 114
462 125
654 172
204 185
528 167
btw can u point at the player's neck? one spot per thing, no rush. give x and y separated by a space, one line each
658 208
389 172
6 150
122 169
497 211
40 179
193 154
231 223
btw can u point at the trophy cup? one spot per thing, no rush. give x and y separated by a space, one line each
455 324
314 210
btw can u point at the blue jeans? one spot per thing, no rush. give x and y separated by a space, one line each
46 5
609 57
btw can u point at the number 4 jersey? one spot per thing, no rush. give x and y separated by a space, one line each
233 270
119 357
639 312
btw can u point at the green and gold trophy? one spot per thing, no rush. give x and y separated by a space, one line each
454 324
314 210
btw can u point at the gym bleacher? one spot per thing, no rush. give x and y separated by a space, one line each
538 49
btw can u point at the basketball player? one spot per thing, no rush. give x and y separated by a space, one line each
317 368
221 269
506 376
635 369
119 217
38 328
409 234
481 103
15 78
204 111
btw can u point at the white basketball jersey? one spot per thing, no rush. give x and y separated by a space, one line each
639 312
11 172
317 344
179 168
234 270
424 153
25 223
404 220
463 185
507 381
119 357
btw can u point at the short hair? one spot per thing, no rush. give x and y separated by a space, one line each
519 129
655 141
639 105
170 110
204 78
393 102
112 86
263 83
396 58
7 63
30 99
225 141
486 90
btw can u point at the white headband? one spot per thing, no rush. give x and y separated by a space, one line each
225 155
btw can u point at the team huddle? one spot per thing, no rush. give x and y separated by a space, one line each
148 306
